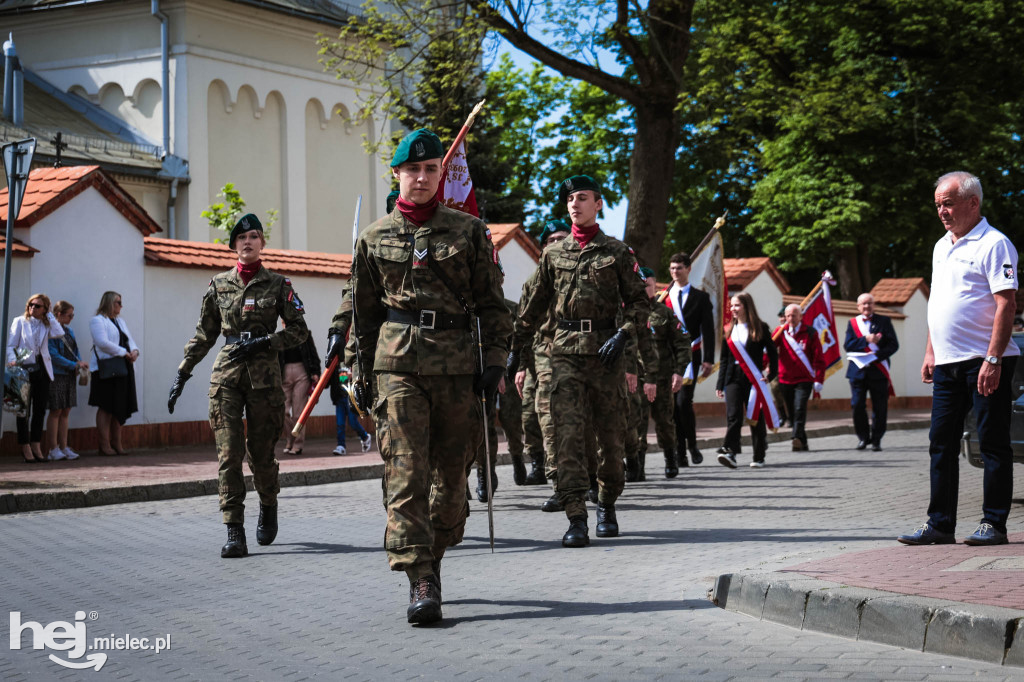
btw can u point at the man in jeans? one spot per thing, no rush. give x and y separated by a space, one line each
969 359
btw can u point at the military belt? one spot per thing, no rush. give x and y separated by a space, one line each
428 319
587 326
235 338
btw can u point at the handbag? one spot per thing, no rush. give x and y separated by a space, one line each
111 368
83 376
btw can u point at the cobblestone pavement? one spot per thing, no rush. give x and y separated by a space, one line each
321 603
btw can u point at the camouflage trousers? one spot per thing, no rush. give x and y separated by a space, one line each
532 434
573 376
428 430
547 424
636 427
663 413
252 440
510 416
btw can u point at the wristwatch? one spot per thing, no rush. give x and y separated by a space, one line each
994 360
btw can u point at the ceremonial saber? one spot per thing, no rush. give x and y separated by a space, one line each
460 137
332 366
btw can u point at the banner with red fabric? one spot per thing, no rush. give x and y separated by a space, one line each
456 188
819 315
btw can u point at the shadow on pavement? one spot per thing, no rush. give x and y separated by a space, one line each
530 609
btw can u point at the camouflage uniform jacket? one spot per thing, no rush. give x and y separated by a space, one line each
389 271
230 308
342 322
670 340
590 283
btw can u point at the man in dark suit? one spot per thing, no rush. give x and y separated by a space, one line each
692 307
870 341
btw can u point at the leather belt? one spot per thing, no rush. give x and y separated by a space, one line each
428 319
587 326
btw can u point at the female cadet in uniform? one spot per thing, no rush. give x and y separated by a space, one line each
244 305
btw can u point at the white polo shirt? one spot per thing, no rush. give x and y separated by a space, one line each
961 306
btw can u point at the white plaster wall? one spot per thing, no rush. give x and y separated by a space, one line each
519 265
86 247
177 293
913 339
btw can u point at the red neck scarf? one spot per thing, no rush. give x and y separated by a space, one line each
583 235
247 272
417 214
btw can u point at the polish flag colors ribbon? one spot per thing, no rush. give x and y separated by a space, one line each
760 400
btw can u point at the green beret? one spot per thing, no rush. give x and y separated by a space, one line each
552 227
392 200
576 183
418 145
647 273
244 224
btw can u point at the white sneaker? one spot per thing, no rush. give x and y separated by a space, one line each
69 453
757 465
366 442
56 454
340 450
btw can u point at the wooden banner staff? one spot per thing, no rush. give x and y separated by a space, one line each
719 222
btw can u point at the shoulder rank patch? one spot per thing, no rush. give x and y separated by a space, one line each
293 298
487 233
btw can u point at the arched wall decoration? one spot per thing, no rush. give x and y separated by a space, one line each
139 87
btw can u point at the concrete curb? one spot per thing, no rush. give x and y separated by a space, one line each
13 503
984 633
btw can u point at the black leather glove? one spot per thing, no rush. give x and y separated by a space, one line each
612 348
361 394
246 347
487 383
512 365
335 345
176 388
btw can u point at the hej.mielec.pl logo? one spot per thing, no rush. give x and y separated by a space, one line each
71 637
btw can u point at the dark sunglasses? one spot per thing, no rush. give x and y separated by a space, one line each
36 305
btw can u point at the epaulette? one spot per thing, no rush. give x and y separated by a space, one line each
661 296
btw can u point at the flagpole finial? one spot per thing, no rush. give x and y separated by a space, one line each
720 221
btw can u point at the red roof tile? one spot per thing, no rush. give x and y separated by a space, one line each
503 233
892 291
848 308
50 188
205 255
20 249
739 272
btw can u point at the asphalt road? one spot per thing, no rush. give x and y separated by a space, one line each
321 602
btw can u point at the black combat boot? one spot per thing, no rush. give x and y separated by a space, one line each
592 493
266 528
518 470
671 470
577 535
681 461
695 454
424 600
607 524
235 547
641 473
632 470
536 475
552 504
481 484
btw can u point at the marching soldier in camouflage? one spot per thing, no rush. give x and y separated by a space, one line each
635 445
672 344
586 280
243 305
414 274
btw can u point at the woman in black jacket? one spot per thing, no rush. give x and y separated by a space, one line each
746 333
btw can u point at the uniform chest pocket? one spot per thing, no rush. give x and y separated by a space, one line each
453 258
450 249
603 271
268 302
393 256
393 249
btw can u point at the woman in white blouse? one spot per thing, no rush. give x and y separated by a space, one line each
114 397
32 332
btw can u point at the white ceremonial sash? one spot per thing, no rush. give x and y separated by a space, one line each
695 345
799 352
760 401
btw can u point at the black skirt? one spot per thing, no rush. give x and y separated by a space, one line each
115 395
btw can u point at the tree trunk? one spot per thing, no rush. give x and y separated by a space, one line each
651 169
849 273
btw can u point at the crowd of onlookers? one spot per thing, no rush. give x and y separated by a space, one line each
45 368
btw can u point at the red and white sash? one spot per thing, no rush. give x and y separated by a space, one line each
695 346
860 328
798 351
760 400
